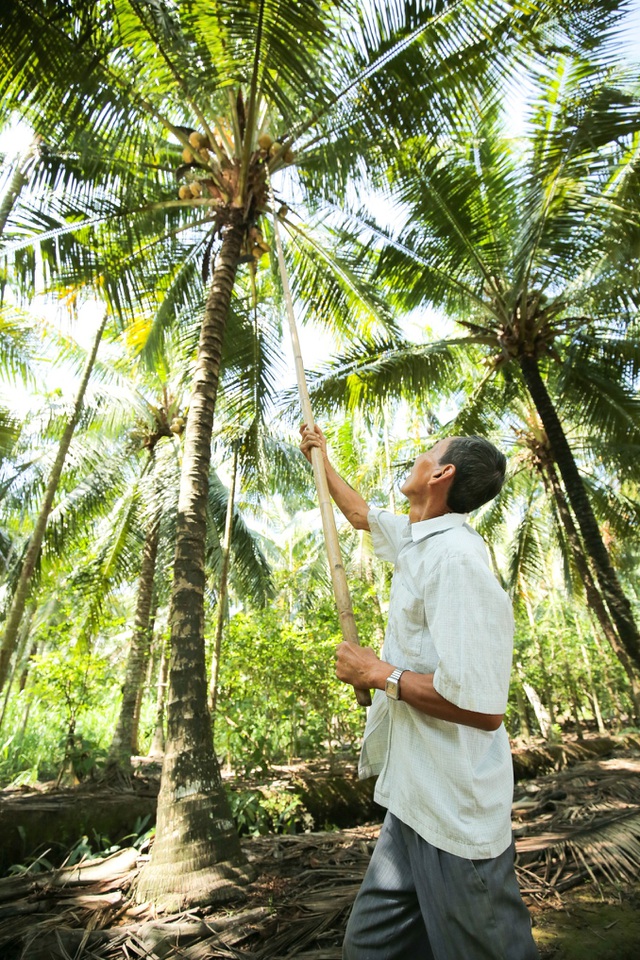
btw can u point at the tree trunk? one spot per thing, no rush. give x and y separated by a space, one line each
19 179
593 693
222 590
157 744
22 642
614 596
196 857
146 682
574 699
542 714
596 605
387 459
35 541
121 748
523 713
545 713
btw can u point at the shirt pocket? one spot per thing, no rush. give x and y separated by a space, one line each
412 623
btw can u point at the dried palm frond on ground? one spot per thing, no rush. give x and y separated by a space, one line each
578 823
581 823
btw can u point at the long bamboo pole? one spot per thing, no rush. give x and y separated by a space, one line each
338 575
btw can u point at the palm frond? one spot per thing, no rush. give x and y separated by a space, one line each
376 370
250 571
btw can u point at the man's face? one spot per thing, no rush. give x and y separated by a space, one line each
423 469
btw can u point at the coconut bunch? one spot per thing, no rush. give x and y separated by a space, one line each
256 244
209 171
166 420
177 425
197 154
273 150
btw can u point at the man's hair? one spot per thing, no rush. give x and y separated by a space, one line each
480 469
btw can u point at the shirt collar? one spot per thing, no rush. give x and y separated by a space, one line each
426 528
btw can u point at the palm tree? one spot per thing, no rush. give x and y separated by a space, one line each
574 551
30 558
15 367
152 500
19 177
219 97
530 246
121 746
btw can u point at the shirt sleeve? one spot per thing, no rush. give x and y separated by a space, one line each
470 620
387 531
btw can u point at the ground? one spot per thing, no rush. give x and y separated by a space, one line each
578 836
598 923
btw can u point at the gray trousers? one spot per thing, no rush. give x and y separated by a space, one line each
419 903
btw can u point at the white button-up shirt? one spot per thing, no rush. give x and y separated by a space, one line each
449 616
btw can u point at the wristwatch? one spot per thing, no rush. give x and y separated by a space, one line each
392 684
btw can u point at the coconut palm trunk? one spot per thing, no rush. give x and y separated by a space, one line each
614 596
19 179
24 670
196 857
35 541
222 589
146 679
594 597
157 744
120 750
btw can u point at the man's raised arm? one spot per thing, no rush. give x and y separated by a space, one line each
348 500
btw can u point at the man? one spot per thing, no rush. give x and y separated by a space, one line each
441 883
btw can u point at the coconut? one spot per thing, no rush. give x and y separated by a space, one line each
195 189
204 154
289 156
187 155
275 148
283 211
264 141
198 140
184 192
175 427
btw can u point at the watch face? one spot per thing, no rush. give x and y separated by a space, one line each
391 689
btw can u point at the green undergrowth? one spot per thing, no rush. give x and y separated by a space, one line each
256 812
92 846
263 811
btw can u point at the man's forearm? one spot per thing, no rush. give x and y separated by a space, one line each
362 668
349 502
418 691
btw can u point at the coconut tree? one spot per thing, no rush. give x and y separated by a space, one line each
154 505
18 178
121 747
222 100
574 551
532 247
30 558
16 350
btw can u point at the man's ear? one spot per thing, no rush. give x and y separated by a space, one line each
444 471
